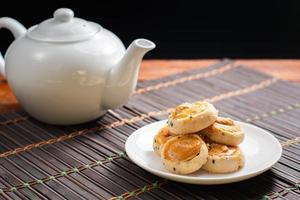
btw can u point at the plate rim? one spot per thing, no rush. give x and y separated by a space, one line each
196 180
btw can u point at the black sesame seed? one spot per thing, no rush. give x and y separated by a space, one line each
213 161
174 169
191 116
171 123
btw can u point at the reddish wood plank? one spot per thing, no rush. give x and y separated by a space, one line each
284 69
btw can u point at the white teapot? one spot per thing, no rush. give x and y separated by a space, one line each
67 70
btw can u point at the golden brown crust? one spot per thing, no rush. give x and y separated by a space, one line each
160 139
191 117
224 131
183 148
223 159
184 154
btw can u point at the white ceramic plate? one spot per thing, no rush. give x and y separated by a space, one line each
262 150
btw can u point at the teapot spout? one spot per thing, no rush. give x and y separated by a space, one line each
123 77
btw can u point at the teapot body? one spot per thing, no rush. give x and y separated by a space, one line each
67 70
62 83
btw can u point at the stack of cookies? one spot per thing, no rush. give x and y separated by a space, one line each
195 137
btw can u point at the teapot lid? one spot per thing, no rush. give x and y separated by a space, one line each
63 27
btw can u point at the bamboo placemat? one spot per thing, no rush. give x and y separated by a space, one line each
88 161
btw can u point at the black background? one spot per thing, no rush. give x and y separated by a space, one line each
183 29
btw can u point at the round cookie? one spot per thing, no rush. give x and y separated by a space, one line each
184 154
223 159
160 139
225 131
191 117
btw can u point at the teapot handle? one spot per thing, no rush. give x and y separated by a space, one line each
17 29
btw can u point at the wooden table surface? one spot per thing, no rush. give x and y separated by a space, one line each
152 69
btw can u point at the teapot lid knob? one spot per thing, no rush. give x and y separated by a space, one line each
63 14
